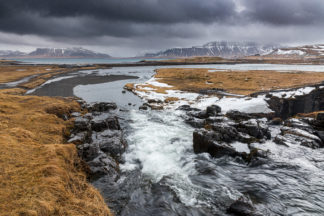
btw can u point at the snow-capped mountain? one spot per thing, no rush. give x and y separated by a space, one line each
309 50
9 53
67 52
218 48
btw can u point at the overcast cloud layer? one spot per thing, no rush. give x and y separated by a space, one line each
132 27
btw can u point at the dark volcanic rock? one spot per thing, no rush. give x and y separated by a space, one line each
287 107
242 208
99 124
187 108
81 124
213 110
99 140
145 106
238 116
102 107
204 141
254 128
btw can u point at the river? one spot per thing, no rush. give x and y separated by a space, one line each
161 175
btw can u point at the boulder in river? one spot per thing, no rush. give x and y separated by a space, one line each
101 107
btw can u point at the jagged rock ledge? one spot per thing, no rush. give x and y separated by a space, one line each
99 139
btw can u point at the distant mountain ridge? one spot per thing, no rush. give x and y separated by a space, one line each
218 48
76 52
301 51
9 53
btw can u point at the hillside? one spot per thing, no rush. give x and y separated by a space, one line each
301 51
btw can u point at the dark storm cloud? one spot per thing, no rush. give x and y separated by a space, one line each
284 12
132 25
127 18
106 17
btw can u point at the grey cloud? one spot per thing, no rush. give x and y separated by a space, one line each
284 12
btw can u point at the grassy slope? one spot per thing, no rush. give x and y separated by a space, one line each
39 174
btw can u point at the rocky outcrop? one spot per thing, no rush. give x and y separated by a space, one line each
99 140
288 107
233 134
216 132
301 131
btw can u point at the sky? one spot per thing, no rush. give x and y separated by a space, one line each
134 27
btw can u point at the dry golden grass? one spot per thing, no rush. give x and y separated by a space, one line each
39 174
197 60
238 82
9 73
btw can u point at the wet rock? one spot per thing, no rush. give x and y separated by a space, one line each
79 138
199 114
238 116
205 141
320 134
75 114
144 107
103 165
194 122
216 119
293 136
187 108
154 101
110 142
213 110
81 124
124 92
287 107
254 128
242 208
102 107
98 124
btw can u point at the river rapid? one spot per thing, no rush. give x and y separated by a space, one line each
161 174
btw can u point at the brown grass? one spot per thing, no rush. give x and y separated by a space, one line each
39 174
16 72
197 60
238 82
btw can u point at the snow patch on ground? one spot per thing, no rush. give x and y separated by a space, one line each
290 52
153 81
293 93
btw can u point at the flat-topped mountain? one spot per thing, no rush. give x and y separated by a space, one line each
218 48
67 52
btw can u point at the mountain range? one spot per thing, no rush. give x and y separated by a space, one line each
302 51
76 52
218 48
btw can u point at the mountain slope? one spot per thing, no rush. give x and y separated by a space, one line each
308 50
218 48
